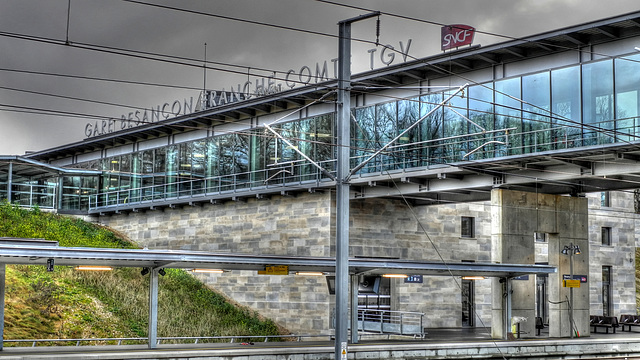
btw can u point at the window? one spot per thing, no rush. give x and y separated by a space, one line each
605 199
606 235
540 236
468 225
606 291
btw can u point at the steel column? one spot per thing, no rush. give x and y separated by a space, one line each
3 268
153 308
9 182
342 184
354 309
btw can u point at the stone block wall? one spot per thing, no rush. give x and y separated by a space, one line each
620 255
305 226
297 226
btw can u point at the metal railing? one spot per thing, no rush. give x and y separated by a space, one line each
160 340
391 322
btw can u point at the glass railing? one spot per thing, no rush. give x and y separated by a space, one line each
30 195
490 144
276 176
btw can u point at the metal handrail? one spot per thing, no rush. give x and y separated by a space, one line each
190 339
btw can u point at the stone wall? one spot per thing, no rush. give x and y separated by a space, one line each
620 255
277 226
304 226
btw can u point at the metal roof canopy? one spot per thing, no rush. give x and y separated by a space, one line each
433 67
38 252
29 254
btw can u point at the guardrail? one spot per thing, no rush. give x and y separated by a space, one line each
391 322
160 340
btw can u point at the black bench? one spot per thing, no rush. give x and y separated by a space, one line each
629 320
607 322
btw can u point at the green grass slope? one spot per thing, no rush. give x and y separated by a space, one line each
67 303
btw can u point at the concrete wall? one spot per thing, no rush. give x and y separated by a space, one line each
304 226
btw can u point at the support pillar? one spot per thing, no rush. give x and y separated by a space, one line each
354 309
343 121
153 308
516 217
10 183
3 269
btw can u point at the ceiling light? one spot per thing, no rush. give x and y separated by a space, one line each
211 271
400 276
473 277
310 273
93 268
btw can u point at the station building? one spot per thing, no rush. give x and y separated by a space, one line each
506 153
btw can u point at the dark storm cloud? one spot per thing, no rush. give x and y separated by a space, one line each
133 26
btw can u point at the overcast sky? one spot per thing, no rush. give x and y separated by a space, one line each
28 65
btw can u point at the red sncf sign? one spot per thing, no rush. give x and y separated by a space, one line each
454 36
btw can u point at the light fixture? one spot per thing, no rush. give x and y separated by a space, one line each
473 278
93 268
144 271
310 273
162 272
399 276
211 271
576 250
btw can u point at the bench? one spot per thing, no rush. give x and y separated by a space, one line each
629 320
607 322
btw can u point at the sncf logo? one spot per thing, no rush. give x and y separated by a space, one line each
454 36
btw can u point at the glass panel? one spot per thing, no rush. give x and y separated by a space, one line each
307 146
455 125
408 113
567 111
363 132
325 140
597 100
432 129
213 167
171 177
125 179
481 113
241 156
136 177
184 169
148 166
386 130
536 120
508 114
627 97
198 165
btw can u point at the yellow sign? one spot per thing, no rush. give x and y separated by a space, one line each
275 270
571 283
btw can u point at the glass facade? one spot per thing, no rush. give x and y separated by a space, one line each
582 105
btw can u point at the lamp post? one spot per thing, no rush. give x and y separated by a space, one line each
571 250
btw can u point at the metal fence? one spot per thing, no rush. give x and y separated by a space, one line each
160 340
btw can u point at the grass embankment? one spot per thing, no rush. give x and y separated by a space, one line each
71 304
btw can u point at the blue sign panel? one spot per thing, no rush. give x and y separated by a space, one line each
413 279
